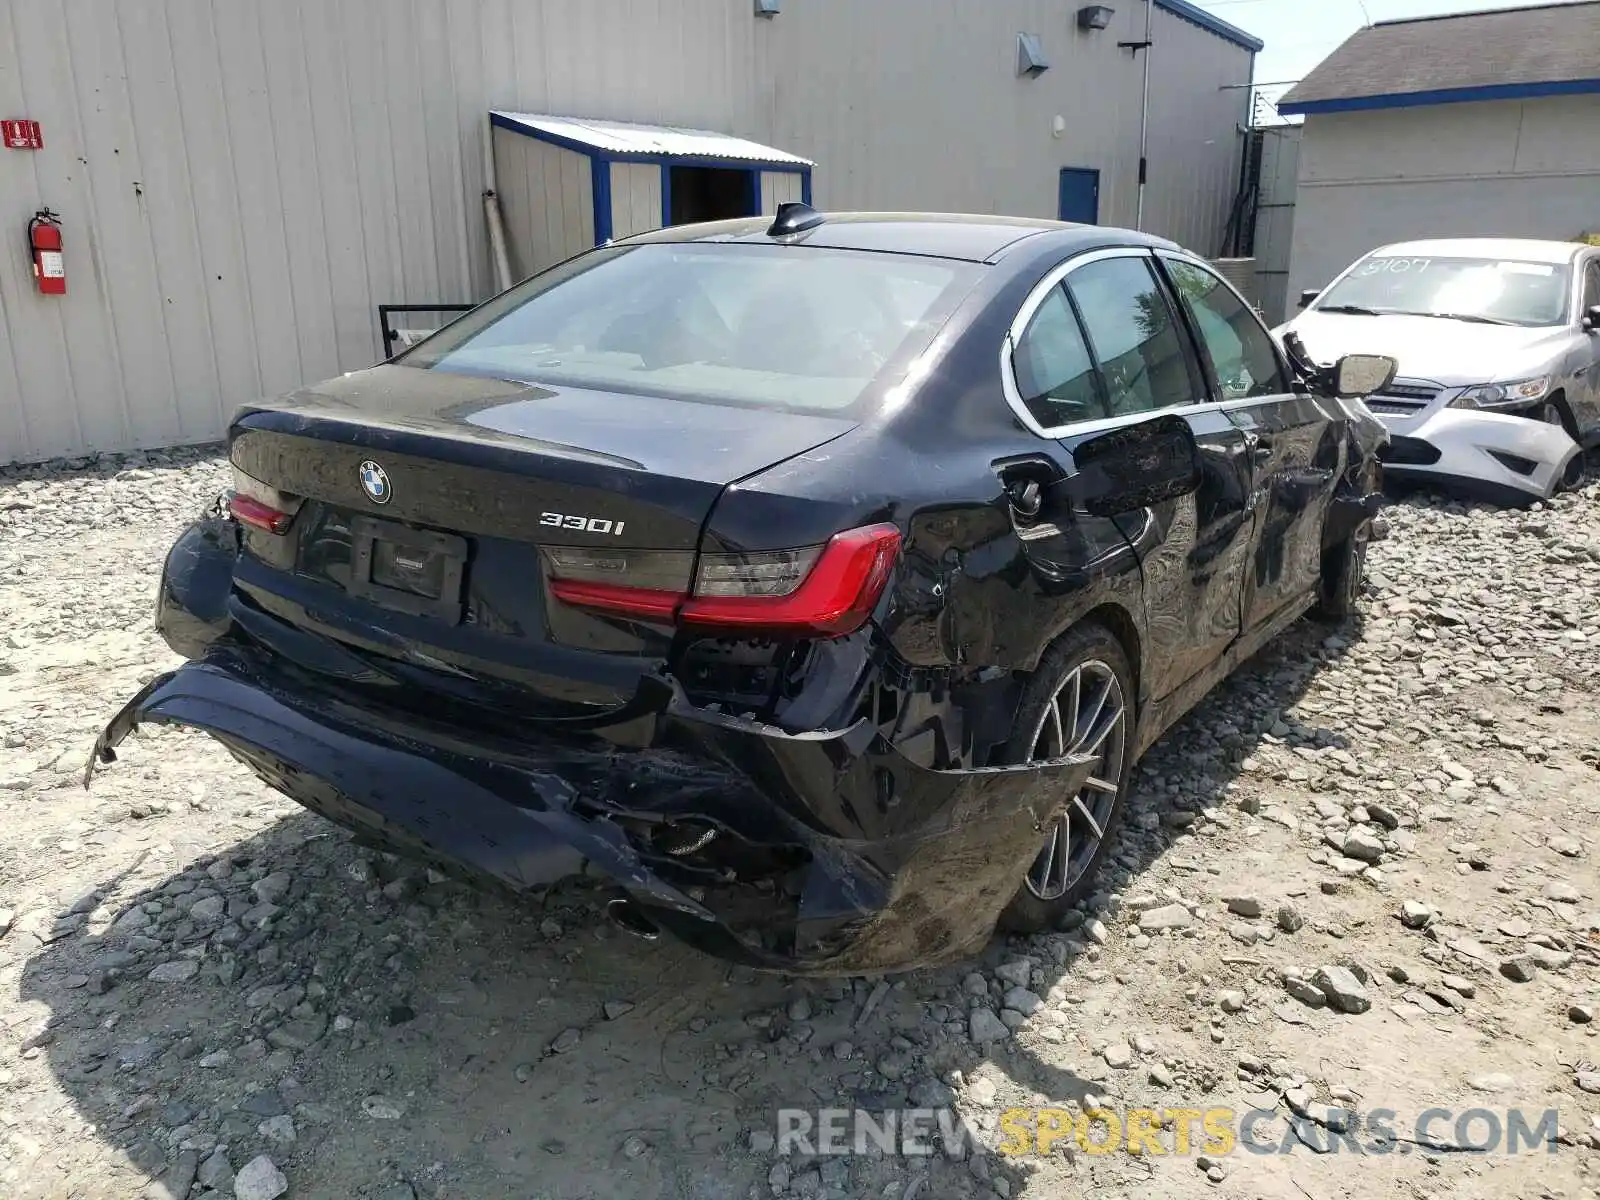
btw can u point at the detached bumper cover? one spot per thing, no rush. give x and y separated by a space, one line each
1468 444
848 858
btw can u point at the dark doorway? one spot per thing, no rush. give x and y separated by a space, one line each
710 194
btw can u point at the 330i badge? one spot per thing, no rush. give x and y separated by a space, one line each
812 586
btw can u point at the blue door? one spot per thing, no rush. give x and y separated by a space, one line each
1079 198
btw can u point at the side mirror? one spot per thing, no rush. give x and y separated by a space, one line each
1135 467
1307 296
1591 319
1357 375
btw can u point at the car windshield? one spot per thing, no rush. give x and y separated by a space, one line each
1492 291
787 327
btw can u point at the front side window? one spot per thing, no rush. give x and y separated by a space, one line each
790 327
1489 291
1591 285
1134 336
1054 371
1240 349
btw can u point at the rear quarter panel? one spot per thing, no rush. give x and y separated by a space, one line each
968 594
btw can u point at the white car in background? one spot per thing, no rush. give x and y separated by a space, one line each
1498 342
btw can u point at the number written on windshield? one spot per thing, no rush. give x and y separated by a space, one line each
1395 266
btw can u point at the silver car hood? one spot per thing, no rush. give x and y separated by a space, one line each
1451 353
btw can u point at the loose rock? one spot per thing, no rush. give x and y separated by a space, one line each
1415 915
259 1179
1168 916
1519 969
1305 991
984 1026
1017 973
1243 906
1362 844
1344 991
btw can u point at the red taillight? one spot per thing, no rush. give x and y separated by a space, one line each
253 512
834 598
261 505
645 603
826 591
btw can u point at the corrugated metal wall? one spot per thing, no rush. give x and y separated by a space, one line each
964 133
779 187
546 199
1197 132
547 195
635 198
242 183
1275 217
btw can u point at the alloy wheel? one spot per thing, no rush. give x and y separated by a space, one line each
1360 540
1087 715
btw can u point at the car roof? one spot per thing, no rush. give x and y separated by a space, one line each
968 236
1525 249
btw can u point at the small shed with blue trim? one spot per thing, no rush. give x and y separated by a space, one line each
569 183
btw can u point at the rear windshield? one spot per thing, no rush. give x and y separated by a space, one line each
788 327
1492 290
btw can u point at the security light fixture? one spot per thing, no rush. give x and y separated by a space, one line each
768 8
1031 62
1095 16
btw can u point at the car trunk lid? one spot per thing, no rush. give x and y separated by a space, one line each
426 506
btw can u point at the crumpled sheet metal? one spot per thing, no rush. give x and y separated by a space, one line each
926 890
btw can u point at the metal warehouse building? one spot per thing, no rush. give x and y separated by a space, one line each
1480 124
240 184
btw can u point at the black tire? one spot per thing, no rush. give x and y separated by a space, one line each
1088 647
1344 569
1555 412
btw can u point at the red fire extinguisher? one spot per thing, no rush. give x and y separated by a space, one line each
44 244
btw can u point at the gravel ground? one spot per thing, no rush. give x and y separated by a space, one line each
1359 878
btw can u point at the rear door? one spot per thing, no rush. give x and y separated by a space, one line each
1293 444
1103 347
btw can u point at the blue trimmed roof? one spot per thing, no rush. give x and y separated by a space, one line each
1194 14
1501 54
628 141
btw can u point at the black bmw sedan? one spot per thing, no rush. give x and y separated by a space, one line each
812 585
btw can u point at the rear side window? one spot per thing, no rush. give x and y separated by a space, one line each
1134 336
1054 370
789 327
1240 349
1591 285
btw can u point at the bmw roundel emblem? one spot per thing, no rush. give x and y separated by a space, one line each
375 482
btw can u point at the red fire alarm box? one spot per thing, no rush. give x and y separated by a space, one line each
22 135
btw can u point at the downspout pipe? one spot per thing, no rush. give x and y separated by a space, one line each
499 256
1144 114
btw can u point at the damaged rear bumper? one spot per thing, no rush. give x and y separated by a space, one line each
814 853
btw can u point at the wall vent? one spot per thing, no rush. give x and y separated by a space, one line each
1031 62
